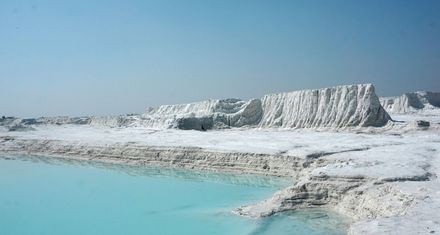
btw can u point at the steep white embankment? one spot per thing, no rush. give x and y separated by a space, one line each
411 102
340 106
336 107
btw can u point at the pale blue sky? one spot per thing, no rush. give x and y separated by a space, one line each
113 57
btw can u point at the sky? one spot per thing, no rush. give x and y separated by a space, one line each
121 56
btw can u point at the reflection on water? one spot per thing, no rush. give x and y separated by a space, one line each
151 171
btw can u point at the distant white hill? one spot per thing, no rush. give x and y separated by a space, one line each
411 102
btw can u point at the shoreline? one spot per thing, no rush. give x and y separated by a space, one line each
173 157
278 182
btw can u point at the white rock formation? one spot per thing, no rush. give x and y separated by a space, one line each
336 107
411 102
204 115
340 106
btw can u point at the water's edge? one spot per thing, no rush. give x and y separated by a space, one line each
279 182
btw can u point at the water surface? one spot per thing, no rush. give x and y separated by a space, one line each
48 196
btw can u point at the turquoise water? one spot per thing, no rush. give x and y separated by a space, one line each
41 197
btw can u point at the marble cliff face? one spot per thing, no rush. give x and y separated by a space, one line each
335 107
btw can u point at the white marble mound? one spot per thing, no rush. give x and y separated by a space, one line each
341 106
411 102
335 107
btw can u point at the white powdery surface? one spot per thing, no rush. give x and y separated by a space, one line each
430 115
405 160
423 217
298 143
